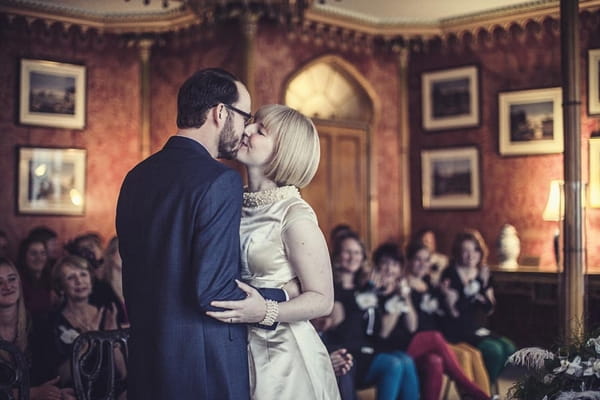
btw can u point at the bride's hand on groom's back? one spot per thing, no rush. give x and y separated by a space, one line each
250 310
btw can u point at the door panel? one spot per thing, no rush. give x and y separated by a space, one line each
339 191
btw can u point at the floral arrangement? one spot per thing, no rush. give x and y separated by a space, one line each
572 373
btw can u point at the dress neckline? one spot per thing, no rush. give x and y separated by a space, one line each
269 196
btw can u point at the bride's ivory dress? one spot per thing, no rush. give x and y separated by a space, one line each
291 361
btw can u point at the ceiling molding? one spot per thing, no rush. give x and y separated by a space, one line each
164 22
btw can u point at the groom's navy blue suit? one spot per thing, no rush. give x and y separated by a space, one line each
178 220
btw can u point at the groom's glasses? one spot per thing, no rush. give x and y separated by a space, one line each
247 117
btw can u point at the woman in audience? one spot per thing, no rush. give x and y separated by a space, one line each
469 287
438 261
352 325
103 294
401 319
50 238
35 272
73 281
431 305
15 328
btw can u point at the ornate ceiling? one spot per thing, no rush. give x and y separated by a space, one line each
359 23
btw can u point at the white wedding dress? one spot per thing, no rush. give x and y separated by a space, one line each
291 361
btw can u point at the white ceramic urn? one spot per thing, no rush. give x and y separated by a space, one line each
509 247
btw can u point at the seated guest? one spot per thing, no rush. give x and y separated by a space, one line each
15 328
353 323
470 290
88 246
50 238
431 304
438 261
402 317
35 273
73 281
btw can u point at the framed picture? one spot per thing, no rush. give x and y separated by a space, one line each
450 178
594 81
450 98
530 122
52 94
51 181
594 186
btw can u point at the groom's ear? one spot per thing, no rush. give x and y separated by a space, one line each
218 114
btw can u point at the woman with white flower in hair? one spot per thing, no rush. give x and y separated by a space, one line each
469 287
355 322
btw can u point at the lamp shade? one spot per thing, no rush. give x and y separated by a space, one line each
555 205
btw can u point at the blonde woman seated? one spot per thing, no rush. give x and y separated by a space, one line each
73 281
280 241
15 328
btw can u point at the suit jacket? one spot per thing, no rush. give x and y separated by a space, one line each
178 219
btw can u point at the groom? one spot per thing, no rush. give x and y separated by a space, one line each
178 218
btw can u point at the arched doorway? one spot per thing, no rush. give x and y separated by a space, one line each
336 97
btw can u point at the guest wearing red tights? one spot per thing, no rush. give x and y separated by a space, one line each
399 321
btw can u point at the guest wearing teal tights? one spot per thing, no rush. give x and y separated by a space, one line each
354 324
468 284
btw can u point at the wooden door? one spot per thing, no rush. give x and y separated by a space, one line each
339 191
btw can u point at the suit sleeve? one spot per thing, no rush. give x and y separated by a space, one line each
216 241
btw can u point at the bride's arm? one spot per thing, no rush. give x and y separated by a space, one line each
306 250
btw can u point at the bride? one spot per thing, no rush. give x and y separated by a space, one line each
281 241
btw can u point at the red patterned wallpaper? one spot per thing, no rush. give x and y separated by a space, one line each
514 188
112 122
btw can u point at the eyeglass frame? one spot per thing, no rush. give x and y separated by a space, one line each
247 116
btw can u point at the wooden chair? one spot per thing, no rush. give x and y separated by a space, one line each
93 363
14 372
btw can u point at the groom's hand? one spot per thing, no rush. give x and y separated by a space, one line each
249 310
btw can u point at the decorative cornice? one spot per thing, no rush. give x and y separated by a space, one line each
140 23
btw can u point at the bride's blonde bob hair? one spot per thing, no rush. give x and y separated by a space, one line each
296 150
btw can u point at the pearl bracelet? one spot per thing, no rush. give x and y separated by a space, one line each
272 313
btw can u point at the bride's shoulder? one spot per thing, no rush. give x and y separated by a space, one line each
298 209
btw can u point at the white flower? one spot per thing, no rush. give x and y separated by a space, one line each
396 305
593 367
366 300
573 368
530 357
596 343
589 395
429 304
67 335
472 288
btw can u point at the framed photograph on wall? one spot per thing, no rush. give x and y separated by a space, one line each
52 94
594 186
51 181
450 178
594 81
530 122
450 98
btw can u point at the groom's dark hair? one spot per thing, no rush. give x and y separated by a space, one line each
202 91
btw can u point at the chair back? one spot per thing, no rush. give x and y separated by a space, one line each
93 363
14 372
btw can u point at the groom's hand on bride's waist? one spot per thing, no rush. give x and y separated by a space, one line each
250 310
